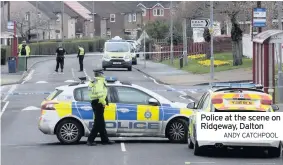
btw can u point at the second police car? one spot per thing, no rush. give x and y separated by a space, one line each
133 111
242 97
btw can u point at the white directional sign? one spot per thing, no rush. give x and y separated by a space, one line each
199 23
259 17
10 25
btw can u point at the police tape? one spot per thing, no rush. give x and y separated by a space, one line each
192 90
99 54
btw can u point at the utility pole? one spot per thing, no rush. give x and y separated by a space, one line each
28 25
280 74
171 33
9 10
185 44
211 43
93 22
259 6
36 24
62 21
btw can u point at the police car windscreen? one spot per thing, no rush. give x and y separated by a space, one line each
117 47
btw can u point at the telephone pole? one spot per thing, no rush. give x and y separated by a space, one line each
259 6
211 43
280 74
62 21
36 22
171 33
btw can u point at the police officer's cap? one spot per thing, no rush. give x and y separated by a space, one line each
99 71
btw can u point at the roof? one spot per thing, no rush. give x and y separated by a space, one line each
151 4
105 8
79 9
55 7
43 8
262 37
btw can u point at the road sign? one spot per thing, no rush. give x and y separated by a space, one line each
259 17
10 25
199 23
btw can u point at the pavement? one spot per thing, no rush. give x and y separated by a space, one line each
22 140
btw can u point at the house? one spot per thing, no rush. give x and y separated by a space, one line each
84 21
69 17
155 10
109 17
29 22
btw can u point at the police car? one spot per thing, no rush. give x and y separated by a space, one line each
238 97
132 111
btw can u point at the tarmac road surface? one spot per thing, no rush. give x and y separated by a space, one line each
24 144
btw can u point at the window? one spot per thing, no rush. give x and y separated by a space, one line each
132 96
158 12
117 47
134 17
112 17
130 18
206 101
26 16
201 101
82 94
143 12
39 15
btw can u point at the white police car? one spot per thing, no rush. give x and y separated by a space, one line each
132 111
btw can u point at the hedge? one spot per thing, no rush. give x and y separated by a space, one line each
48 48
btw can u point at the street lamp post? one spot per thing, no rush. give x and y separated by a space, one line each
211 43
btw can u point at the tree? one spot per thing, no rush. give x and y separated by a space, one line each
24 27
157 29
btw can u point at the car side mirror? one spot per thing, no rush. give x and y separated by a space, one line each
153 102
191 105
275 107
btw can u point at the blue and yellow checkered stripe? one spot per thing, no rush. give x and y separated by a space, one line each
136 112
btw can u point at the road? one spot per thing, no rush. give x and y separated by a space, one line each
24 144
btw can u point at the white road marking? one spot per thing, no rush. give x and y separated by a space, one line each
30 108
87 75
73 73
11 90
29 76
154 81
261 163
123 148
182 97
68 81
4 108
199 162
144 76
41 82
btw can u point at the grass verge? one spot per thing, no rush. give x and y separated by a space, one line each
196 68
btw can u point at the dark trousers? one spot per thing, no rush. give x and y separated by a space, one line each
81 61
60 60
99 123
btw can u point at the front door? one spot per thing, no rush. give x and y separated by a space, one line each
135 115
85 112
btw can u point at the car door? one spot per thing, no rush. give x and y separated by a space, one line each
85 112
135 114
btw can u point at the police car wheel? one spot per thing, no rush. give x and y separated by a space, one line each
198 151
69 131
275 152
177 131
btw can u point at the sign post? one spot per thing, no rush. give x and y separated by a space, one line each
259 17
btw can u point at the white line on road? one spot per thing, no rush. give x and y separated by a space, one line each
199 162
144 76
4 108
123 148
73 74
154 81
261 163
11 90
29 76
87 75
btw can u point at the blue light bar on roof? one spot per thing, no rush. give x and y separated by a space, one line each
110 79
237 85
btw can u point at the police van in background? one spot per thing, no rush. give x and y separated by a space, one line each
117 54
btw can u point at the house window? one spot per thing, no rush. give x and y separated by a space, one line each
158 12
39 15
112 17
26 17
143 12
134 17
130 18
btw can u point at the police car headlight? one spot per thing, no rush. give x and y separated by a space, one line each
128 57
